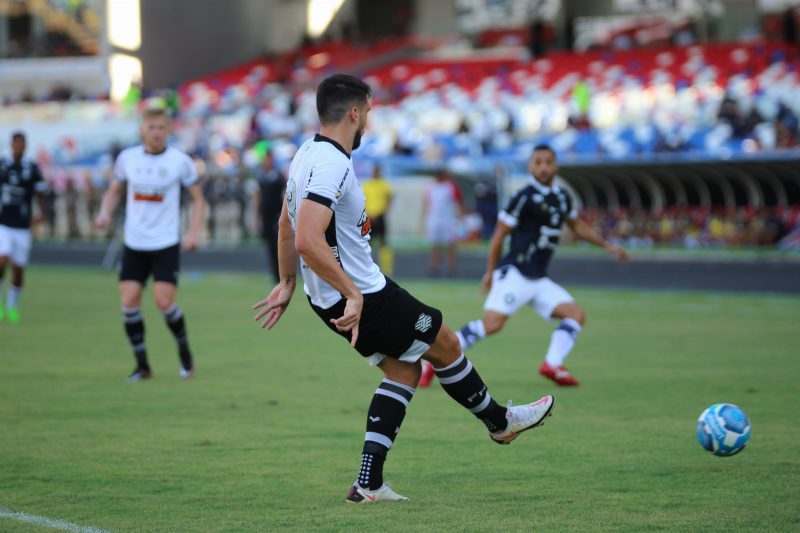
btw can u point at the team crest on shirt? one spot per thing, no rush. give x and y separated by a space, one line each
365 224
424 323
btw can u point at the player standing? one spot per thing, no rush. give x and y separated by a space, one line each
324 225
533 218
442 208
154 173
378 194
20 181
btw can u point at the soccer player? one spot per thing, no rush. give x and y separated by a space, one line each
154 173
269 200
378 194
534 217
324 225
442 207
20 181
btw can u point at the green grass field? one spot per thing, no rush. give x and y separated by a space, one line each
267 437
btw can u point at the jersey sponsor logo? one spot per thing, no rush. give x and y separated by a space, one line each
149 194
374 419
424 323
365 224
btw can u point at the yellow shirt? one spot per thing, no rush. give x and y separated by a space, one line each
378 193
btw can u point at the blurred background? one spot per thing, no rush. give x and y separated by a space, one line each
675 121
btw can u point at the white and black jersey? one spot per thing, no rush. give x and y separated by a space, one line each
322 172
152 211
535 214
19 181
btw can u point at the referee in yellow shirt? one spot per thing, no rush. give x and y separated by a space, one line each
378 193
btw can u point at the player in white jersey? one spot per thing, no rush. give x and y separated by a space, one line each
324 225
154 174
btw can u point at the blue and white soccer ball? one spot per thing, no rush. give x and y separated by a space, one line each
723 429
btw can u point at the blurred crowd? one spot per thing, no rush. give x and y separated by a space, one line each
694 227
73 200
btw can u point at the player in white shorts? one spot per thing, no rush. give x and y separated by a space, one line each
325 227
154 174
20 181
442 207
533 218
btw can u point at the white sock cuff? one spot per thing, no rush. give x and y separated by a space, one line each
478 327
573 324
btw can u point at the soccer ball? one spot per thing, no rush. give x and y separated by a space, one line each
723 429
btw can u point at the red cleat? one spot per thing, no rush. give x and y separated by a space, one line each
559 374
427 375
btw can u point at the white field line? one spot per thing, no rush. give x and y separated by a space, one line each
49 522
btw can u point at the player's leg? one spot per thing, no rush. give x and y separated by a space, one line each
510 291
554 302
452 258
130 293
386 413
459 378
166 266
20 253
3 263
132 277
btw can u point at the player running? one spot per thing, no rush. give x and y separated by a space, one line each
533 218
154 173
20 181
324 225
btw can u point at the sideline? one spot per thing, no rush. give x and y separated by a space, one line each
49 522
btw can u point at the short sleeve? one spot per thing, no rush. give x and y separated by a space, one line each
119 168
39 184
510 214
326 183
572 213
189 172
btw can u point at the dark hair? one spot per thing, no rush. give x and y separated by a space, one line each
544 147
337 93
17 135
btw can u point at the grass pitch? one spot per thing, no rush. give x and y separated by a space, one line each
267 437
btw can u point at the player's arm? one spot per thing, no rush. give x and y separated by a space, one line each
312 221
584 232
501 229
274 305
109 203
196 218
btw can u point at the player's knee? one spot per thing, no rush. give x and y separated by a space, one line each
401 372
579 315
164 302
493 323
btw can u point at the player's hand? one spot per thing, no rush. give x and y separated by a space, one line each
350 318
621 254
101 221
486 283
189 243
273 306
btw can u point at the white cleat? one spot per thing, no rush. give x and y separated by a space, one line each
359 494
524 417
186 374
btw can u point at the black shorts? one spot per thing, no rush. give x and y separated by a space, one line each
379 228
393 323
164 264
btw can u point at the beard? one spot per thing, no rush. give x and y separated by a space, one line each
357 139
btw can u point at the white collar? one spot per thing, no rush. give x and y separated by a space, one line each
541 188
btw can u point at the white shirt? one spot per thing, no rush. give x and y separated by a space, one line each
443 199
152 212
322 172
